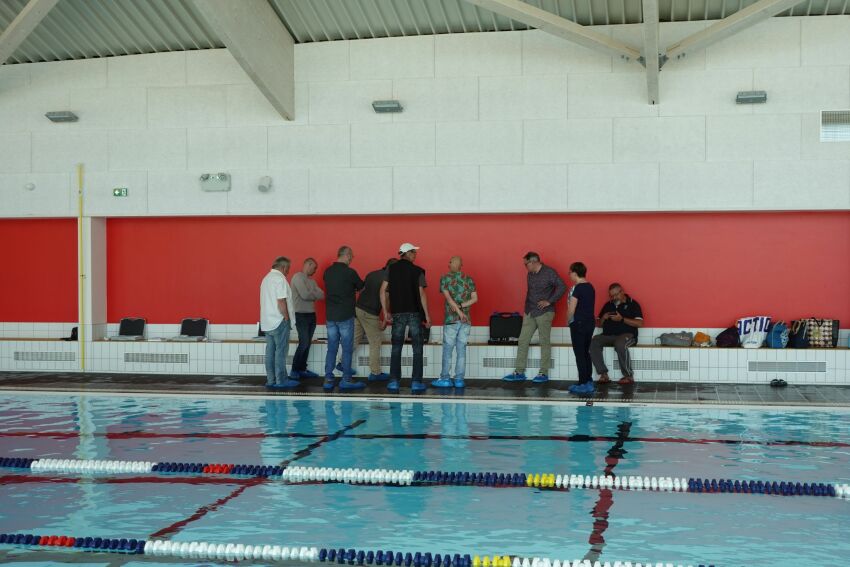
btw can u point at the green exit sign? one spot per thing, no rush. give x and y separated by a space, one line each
119 192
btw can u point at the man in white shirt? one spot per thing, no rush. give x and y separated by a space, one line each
276 314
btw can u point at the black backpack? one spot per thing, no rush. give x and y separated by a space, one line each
728 338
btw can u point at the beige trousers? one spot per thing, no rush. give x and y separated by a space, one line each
530 325
369 325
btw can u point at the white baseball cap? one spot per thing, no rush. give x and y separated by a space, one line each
407 247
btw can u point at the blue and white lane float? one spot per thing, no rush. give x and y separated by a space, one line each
297 475
241 552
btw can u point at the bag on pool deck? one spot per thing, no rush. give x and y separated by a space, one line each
505 327
680 339
821 332
728 338
702 340
752 331
797 334
777 335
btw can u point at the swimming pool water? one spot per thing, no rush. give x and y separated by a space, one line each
723 529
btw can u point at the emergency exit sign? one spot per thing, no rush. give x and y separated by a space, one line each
119 192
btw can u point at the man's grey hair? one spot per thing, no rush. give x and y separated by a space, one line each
280 262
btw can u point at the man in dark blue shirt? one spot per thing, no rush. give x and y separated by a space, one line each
620 318
341 284
580 309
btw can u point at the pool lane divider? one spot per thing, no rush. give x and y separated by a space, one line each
312 475
241 552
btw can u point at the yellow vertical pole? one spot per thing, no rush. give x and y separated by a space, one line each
81 337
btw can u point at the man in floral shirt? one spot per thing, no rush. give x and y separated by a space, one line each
459 291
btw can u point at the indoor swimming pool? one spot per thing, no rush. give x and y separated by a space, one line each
487 518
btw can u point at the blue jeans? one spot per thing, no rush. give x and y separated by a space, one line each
277 348
402 322
340 332
305 323
455 337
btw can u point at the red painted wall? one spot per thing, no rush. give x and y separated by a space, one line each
39 270
687 270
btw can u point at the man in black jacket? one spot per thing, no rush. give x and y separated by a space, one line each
620 319
408 305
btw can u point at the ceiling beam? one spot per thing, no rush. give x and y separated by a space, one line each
259 42
651 58
556 25
740 20
23 24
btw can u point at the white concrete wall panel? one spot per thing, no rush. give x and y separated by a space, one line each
515 98
99 201
693 93
477 54
707 186
290 192
247 106
347 102
147 149
609 95
81 74
451 99
435 189
61 151
310 146
659 139
755 137
463 143
355 190
53 195
802 185
825 41
195 106
568 141
322 61
392 57
16 153
773 43
803 89
523 188
218 149
151 70
119 108
213 67
545 54
392 144
614 187
179 193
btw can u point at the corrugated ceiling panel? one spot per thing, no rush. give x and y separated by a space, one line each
77 29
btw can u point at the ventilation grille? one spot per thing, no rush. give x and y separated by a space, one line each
258 359
764 366
835 126
494 362
667 365
385 361
45 356
156 358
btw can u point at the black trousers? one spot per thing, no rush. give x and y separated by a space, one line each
305 323
582 333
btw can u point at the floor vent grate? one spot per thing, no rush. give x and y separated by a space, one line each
36 356
510 362
663 365
258 359
156 358
765 366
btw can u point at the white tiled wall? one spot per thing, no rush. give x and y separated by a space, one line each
473 102
710 365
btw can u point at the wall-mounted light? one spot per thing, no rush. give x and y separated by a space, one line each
265 184
29 186
62 116
215 182
381 106
751 97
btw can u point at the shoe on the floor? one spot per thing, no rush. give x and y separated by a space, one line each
586 389
418 386
381 377
330 383
778 383
350 386
284 385
626 381
351 372
392 387
459 383
540 379
515 377
308 374
604 379
442 383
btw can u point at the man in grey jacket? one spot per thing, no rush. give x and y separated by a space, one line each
545 288
305 293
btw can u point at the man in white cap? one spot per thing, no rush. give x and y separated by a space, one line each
407 307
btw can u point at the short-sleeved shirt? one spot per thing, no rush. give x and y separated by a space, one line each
341 285
370 298
629 309
273 287
586 296
460 288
